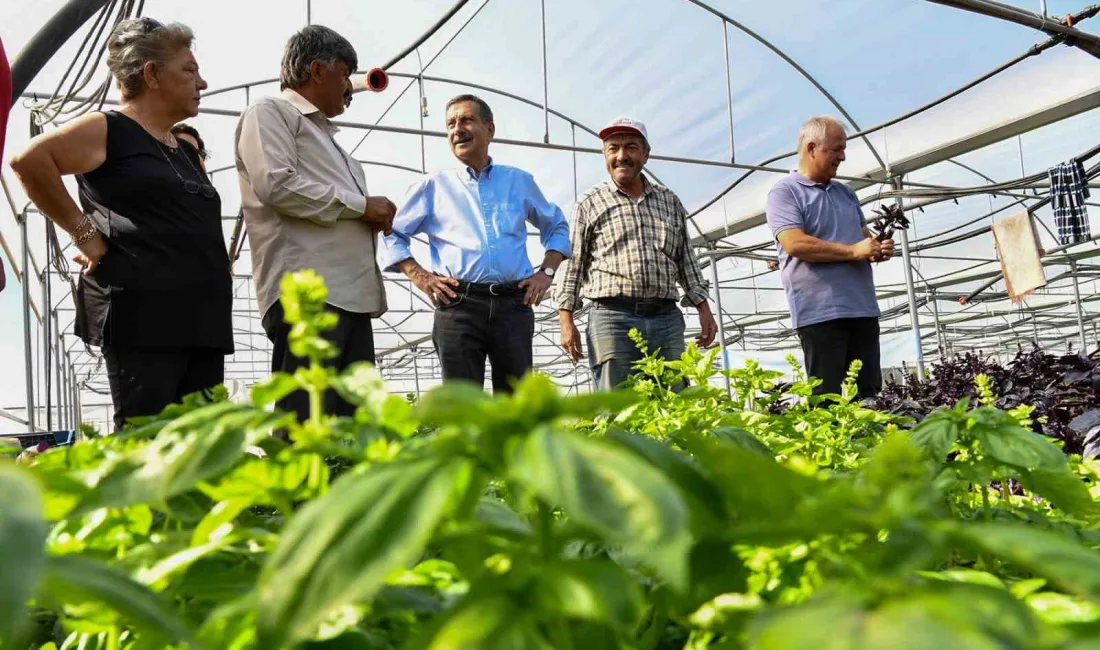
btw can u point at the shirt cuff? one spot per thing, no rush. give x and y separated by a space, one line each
569 303
560 243
695 296
394 252
783 228
354 206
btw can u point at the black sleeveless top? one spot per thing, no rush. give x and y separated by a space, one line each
164 283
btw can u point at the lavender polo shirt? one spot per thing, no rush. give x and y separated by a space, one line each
822 291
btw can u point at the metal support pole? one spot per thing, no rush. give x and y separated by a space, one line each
77 412
423 113
721 325
729 88
1035 330
28 351
1077 305
575 189
416 372
1088 42
936 320
47 335
909 290
69 422
309 12
545 85
57 368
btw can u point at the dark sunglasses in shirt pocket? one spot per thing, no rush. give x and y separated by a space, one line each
454 302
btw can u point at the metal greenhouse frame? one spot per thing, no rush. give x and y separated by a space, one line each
66 381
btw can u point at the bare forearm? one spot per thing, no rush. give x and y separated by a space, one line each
552 260
42 181
565 317
812 249
411 268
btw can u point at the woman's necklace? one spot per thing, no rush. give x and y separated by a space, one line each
169 141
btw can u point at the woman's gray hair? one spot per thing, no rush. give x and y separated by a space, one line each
137 41
313 43
814 131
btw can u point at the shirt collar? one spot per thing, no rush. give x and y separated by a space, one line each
304 106
470 170
803 180
647 187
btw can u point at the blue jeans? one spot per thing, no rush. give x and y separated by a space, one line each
611 353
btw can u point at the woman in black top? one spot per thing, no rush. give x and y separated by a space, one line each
155 293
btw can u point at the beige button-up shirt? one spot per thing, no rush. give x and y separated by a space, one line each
303 198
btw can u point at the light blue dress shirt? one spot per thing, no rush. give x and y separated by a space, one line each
476 225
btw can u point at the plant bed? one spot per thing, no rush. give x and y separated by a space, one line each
1059 389
645 519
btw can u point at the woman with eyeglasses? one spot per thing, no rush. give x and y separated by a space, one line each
155 293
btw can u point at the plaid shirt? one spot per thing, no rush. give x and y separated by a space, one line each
628 249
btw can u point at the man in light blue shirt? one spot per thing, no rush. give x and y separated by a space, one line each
481 282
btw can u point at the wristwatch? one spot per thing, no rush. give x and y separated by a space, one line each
547 270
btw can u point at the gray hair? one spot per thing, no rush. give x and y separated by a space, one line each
313 43
814 131
483 109
137 41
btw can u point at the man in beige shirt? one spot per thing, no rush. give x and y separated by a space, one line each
306 204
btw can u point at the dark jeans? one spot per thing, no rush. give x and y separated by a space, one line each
831 347
144 382
477 326
353 338
611 353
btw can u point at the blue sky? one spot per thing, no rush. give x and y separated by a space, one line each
658 60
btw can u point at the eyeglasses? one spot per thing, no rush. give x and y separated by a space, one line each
191 187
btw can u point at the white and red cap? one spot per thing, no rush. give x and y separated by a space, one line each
624 124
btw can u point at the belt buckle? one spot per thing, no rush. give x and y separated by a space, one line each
492 289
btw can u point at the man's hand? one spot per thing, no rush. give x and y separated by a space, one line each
90 253
869 249
537 285
571 339
708 327
886 251
379 213
436 287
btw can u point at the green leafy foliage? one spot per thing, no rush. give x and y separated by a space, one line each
669 515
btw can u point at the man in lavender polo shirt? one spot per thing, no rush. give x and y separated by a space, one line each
825 255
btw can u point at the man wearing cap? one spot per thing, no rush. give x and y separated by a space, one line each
481 280
630 250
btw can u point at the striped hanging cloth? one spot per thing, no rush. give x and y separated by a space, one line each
1068 191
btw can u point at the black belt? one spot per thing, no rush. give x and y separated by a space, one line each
489 289
638 307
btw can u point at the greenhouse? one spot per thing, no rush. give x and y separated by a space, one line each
960 114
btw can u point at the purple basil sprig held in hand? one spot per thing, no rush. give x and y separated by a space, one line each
890 218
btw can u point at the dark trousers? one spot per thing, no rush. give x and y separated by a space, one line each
353 338
831 347
144 382
479 326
